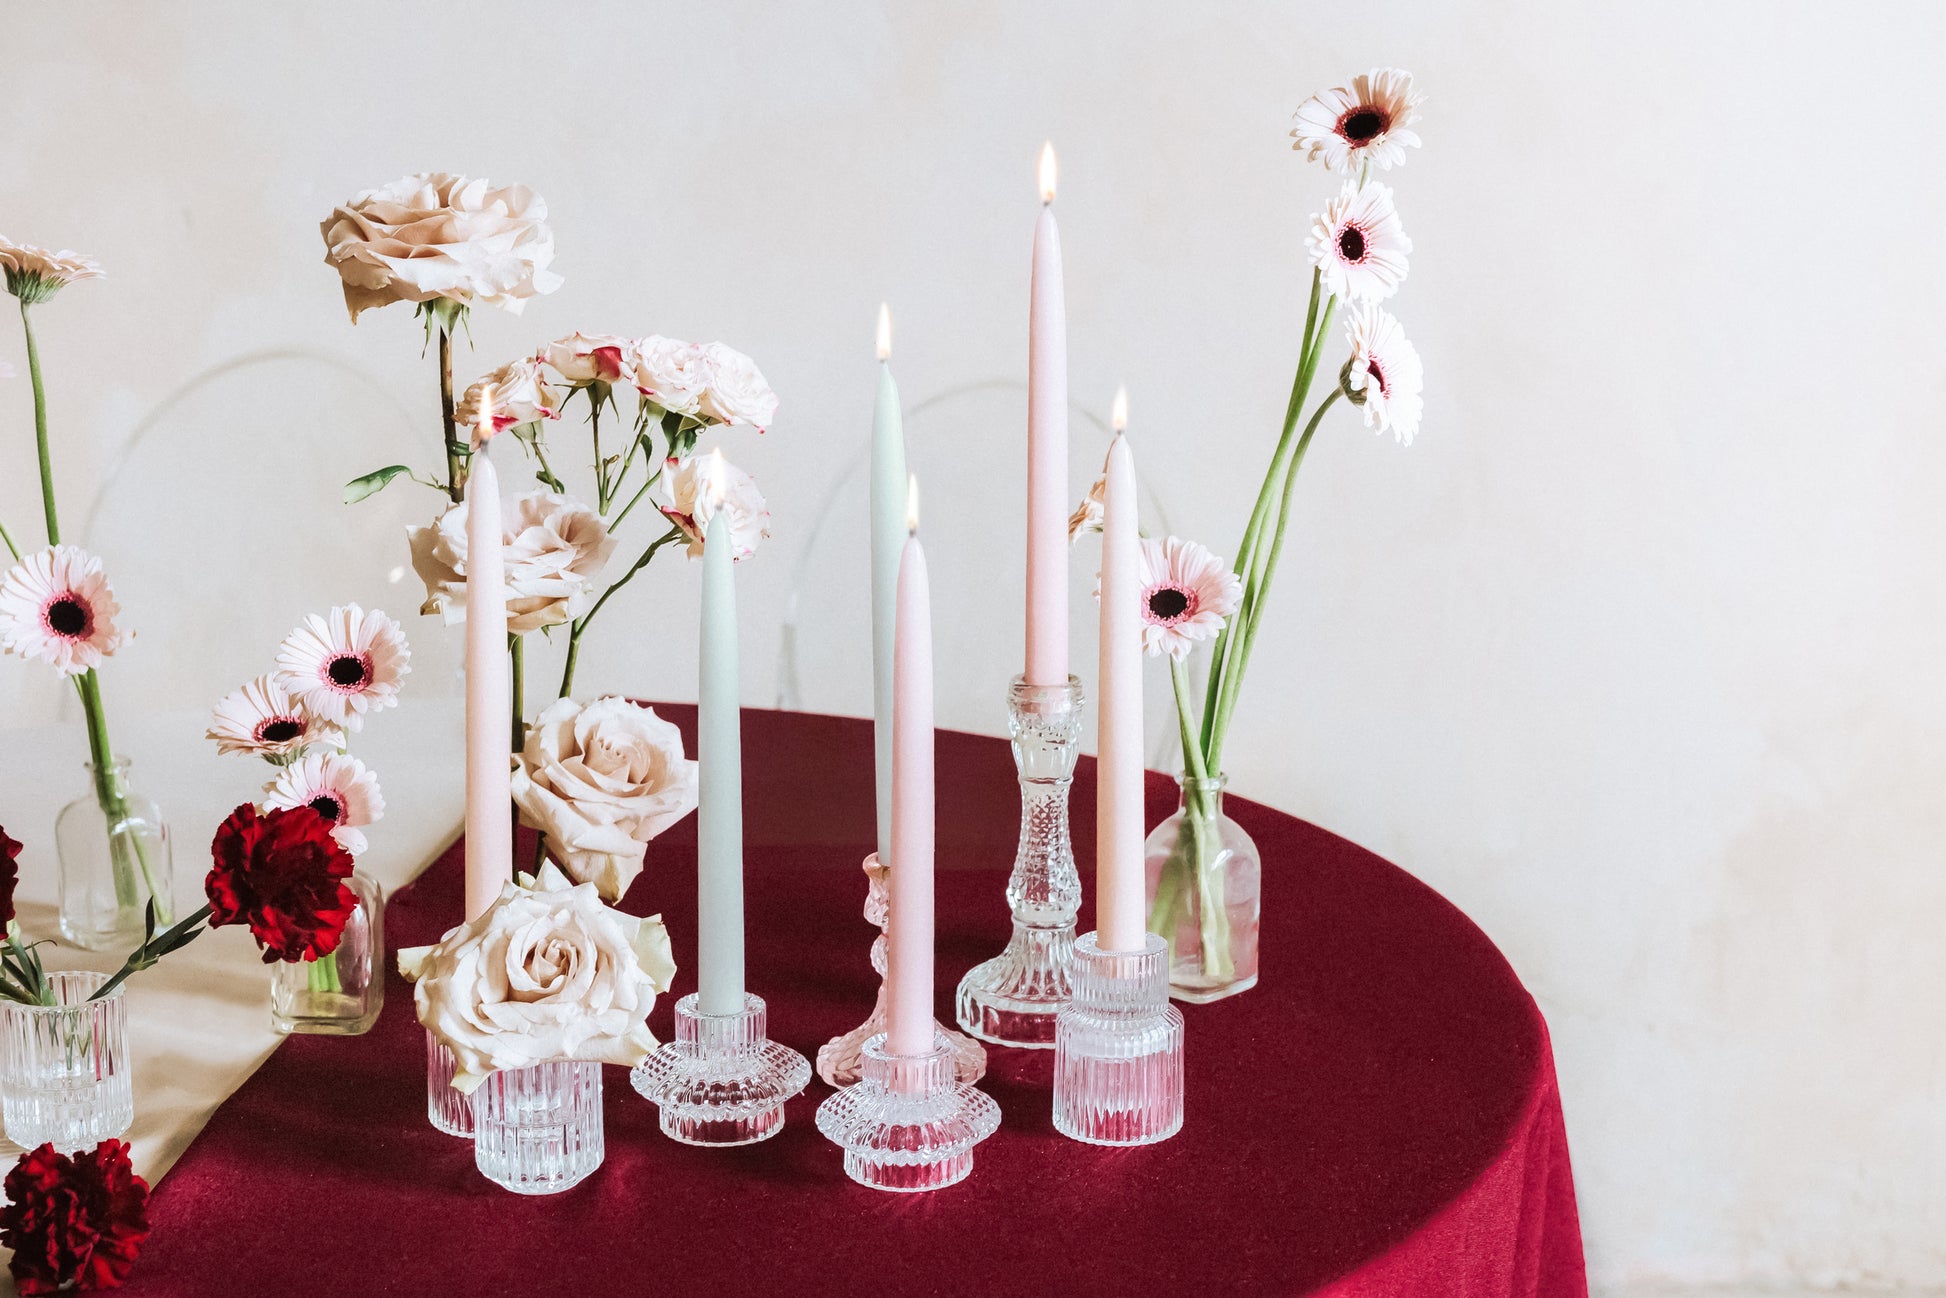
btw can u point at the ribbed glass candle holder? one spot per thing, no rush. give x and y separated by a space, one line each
447 1109
722 1081
1118 1074
538 1130
908 1125
64 1068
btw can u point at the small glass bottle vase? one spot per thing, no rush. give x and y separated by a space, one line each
339 994
1205 880
114 851
64 1068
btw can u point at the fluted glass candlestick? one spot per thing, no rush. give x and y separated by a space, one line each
1012 998
841 1060
908 1125
1118 1075
722 1081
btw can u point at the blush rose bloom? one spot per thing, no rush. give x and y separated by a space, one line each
671 373
737 392
555 548
548 973
693 495
519 394
592 358
601 779
437 235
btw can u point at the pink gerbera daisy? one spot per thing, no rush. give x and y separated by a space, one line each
56 605
338 787
1186 594
1347 127
262 718
344 664
1360 245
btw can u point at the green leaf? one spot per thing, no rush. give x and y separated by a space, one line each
372 483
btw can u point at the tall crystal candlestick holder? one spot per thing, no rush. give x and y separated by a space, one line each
722 1081
841 1060
1118 1048
1012 998
908 1125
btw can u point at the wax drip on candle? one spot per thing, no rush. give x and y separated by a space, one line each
884 332
1047 172
912 504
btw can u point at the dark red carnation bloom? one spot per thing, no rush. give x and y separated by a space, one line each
78 1220
283 874
9 876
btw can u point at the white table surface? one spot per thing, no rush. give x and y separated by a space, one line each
199 1022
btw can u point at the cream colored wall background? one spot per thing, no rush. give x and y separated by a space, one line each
1636 654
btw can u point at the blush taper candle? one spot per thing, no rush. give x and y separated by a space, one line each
909 930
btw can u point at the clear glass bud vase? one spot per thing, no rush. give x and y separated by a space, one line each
114 851
1204 881
342 993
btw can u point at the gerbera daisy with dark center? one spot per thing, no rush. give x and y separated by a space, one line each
1187 592
56 605
1384 375
1349 127
342 665
340 788
1359 245
262 718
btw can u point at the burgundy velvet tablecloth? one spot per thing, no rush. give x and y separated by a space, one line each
1378 1117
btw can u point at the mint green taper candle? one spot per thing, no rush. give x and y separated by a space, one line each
719 797
888 543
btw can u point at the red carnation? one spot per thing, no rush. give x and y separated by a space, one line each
283 874
9 876
74 1221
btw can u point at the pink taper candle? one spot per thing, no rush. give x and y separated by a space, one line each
908 978
489 806
1118 799
1047 450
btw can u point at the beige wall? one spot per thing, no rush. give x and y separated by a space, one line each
1636 654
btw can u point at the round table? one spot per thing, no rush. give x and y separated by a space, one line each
1378 1116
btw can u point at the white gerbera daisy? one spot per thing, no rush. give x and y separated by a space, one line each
1360 245
337 787
1186 594
262 718
1384 375
56 605
344 664
1346 127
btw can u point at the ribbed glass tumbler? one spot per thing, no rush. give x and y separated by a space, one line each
65 1067
538 1130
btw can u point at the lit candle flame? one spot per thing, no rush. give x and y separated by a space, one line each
884 331
718 479
483 425
1118 415
1047 172
912 503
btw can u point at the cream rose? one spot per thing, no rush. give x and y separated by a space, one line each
436 235
548 973
737 393
671 373
600 780
592 358
693 495
518 393
555 548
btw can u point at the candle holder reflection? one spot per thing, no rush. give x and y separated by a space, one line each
1012 999
909 1125
1118 1048
841 1060
722 1081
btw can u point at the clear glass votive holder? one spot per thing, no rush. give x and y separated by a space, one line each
722 1081
65 1067
1118 1074
909 1125
448 1110
537 1130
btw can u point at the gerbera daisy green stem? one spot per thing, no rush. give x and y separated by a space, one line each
40 426
8 537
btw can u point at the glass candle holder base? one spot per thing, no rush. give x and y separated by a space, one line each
1118 1074
538 1130
722 1081
1011 999
447 1109
908 1125
65 1068
841 1060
